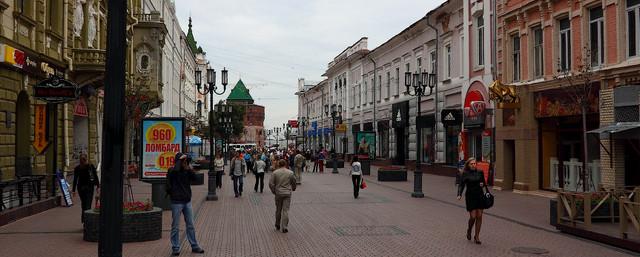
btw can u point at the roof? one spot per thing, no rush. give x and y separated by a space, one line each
240 93
191 41
622 129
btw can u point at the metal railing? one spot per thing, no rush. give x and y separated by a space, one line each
22 191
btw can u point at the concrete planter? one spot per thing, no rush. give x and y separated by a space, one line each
392 174
328 163
199 179
136 227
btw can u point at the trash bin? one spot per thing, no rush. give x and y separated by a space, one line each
365 164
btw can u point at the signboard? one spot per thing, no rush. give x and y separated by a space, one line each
64 188
56 90
451 117
162 138
293 123
366 142
40 142
28 63
486 146
81 108
341 128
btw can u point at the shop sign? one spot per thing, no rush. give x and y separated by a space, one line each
486 146
293 123
558 103
451 117
162 138
31 64
474 109
341 128
56 90
400 112
81 108
40 142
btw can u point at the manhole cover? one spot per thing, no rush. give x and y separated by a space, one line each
369 231
529 250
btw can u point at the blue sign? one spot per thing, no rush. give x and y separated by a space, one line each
64 187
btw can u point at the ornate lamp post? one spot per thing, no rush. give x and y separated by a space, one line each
211 88
419 82
303 122
223 113
336 114
286 131
277 130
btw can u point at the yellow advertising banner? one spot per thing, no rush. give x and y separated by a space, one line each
40 142
341 128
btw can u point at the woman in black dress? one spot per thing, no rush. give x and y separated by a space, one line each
473 180
85 179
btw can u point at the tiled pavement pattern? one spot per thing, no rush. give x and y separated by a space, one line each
326 221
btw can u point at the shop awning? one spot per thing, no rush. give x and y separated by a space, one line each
621 130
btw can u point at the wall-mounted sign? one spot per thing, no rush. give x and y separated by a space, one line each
474 109
451 117
162 138
31 64
40 142
505 96
56 90
366 144
293 123
80 108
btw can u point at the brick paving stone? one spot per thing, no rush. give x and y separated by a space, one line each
325 220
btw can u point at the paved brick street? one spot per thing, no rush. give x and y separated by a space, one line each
325 221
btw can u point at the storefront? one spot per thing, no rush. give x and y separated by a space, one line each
383 139
477 135
426 125
452 122
400 123
354 131
562 146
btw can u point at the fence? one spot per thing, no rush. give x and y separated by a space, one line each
21 191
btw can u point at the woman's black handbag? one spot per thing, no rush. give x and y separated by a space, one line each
487 197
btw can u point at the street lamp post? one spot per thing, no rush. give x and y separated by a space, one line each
303 122
223 114
419 82
336 112
277 136
211 88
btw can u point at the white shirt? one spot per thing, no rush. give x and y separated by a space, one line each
356 168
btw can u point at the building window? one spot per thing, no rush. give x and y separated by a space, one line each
480 40
25 7
462 56
373 90
397 81
565 45
516 57
366 92
419 63
379 88
537 52
633 28
388 85
433 61
447 58
408 69
55 12
596 36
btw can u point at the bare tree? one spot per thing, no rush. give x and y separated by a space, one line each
580 87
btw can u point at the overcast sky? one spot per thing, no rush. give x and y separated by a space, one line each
269 44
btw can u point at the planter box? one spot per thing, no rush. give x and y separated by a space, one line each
392 174
199 179
328 163
136 227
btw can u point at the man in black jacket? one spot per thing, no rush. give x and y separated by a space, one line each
179 188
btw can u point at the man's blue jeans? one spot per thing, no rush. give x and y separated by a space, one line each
187 210
238 182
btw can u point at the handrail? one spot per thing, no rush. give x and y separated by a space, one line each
21 191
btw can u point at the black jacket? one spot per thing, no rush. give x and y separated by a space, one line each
85 177
179 185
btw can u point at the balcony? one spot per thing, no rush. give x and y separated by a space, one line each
89 60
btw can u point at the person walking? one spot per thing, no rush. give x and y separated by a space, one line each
282 183
219 168
259 167
179 179
85 179
321 157
248 159
299 162
238 170
356 175
473 180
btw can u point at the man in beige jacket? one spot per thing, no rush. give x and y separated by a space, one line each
282 183
299 162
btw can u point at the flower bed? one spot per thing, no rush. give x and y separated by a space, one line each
391 173
140 222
